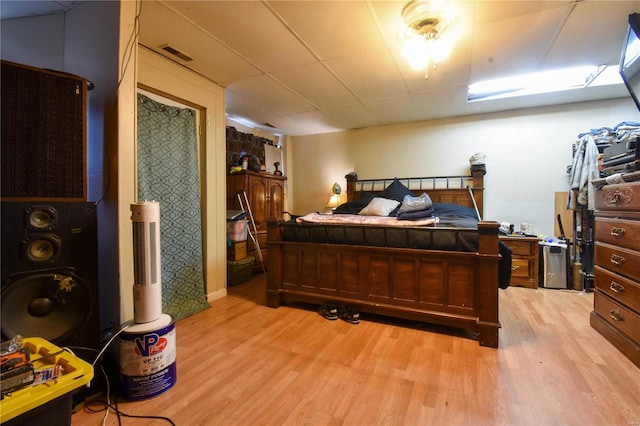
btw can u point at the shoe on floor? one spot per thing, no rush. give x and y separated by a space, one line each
349 314
329 311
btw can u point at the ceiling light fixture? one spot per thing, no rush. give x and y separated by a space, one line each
427 36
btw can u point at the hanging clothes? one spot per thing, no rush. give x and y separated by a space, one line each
583 171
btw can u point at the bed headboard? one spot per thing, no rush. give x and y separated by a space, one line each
441 189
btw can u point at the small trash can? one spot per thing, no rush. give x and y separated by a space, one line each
554 265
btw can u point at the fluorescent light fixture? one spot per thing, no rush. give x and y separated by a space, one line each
543 82
268 127
632 52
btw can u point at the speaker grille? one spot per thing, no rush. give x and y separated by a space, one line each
43 134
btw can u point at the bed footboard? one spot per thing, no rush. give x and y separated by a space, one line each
457 289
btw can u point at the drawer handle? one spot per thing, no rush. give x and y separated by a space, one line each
619 196
514 267
612 197
616 315
616 259
615 287
616 232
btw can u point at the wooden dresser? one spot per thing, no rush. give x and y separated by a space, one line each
265 193
616 313
524 262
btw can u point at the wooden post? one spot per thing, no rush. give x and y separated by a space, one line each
351 178
489 257
274 276
478 188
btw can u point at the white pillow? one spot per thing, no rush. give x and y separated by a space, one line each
414 204
379 207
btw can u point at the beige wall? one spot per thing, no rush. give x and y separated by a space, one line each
527 152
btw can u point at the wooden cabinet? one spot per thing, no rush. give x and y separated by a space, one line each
265 193
524 260
616 310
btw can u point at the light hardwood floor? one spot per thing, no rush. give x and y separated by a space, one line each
242 363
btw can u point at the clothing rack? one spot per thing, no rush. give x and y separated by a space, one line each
583 222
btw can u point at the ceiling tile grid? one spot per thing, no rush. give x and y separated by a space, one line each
314 66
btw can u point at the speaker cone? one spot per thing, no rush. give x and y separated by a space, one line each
42 249
41 218
48 305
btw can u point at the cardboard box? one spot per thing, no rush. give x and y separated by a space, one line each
237 251
240 271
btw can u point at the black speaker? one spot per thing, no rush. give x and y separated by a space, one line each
50 273
43 134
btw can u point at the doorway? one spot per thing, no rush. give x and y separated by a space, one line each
169 172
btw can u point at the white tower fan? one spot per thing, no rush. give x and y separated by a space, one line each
147 287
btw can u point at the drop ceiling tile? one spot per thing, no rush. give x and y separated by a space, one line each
491 12
332 29
20 9
270 94
315 122
424 106
389 17
370 76
515 45
240 106
575 44
353 116
210 58
250 29
317 85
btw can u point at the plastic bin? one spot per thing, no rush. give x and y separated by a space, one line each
237 230
48 403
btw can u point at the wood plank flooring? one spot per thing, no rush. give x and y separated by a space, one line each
242 363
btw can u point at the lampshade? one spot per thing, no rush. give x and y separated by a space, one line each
334 201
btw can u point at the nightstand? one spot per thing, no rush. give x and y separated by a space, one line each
524 260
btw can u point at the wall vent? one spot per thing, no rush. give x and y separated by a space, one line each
170 49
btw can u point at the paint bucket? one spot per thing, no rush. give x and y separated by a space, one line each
148 358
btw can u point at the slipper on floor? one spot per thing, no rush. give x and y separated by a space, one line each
349 314
329 311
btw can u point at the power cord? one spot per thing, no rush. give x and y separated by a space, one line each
108 407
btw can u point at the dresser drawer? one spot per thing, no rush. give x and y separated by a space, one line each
623 196
619 288
520 268
618 259
617 315
521 247
625 233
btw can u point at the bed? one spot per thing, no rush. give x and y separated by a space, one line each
446 273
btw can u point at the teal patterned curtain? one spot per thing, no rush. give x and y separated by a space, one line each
168 172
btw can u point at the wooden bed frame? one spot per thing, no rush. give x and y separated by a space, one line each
450 288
